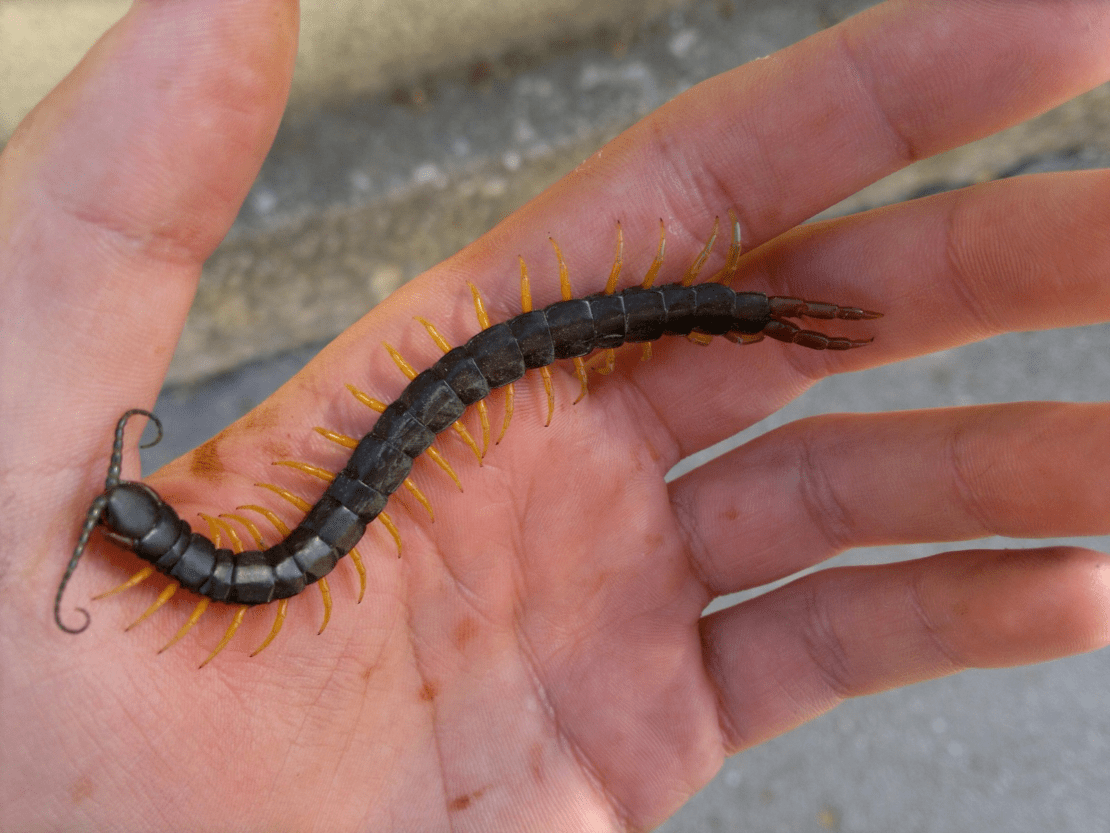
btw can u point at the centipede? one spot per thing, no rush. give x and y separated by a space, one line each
134 517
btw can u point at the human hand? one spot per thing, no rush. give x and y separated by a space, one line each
537 658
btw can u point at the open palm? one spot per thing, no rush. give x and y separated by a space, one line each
537 658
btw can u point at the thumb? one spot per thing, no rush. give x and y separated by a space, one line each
113 191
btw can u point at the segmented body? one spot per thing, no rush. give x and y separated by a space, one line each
134 516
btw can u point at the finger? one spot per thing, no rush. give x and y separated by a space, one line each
785 657
779 140
782 138
1018 254
802 493
120 183
112 192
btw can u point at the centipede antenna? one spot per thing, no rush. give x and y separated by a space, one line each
96 511
116 463
91 520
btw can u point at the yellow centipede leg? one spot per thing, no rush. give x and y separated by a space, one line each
565 291
510 396
580 370
141 576
307 468
545 374
249 525
618 261
399 360
444 345
568 294
464 435
356 559
744 338
325 594
366 399
649 280
194 617
279 620
526 306
327 476
269 515
392 527
483 420
432 452
735 249
336 437
441 342
525 287
296 500
414 490
609 360
163 597
483 413
216 526
657 263
691 273
214 529
441 461
483 323
234 626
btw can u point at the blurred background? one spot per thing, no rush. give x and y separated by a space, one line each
414 127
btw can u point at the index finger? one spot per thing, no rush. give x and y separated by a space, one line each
781 139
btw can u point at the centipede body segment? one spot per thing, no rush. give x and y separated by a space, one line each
134 516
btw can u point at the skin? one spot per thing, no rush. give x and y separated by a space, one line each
537 659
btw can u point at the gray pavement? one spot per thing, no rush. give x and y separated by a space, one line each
365 193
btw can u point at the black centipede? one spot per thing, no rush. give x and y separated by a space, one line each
135 517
